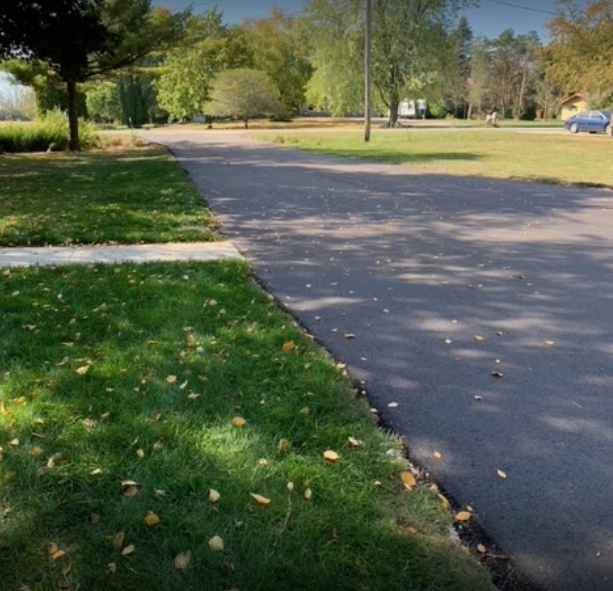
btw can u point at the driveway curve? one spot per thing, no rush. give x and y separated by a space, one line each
479 314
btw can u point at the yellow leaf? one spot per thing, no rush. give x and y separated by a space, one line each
481 549
549 343
128 483
408 480
479 338
260 500
171 379
283 445
151 520
183 559
331 456
128 550
289 346
183 385
20 401
193 396
308 493
14 442
263 463
59 554
83 370
36 451
52 548
463 516
290 486
444 501
353 442
437 455
305 411
216 544
111 567
96 472
140 453
130 492
501 474
214 496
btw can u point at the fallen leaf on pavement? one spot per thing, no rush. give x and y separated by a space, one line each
501 474
463 516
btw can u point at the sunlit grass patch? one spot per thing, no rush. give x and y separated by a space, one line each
120 393
553 158
127 196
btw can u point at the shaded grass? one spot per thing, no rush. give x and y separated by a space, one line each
223 339
127 197
561 159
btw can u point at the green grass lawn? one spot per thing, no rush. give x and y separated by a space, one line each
564 159
127 197
120 393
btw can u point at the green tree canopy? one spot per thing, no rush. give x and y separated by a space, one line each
244 94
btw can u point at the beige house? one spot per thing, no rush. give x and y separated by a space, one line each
572 105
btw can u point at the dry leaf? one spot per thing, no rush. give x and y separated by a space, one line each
479 398
216 544
159 493
448 341
305 411
479 338
501 474
94 518
308 493
151 520
14 442
497 374
57 555
118 539
263 463
393 405
408 480
96 472
353 442
128 550
481 549
193 396
283 445
331 456
349 335
437 455
34 452
140 453
444 501
463 516
289 346
549 343
183 559
52 548
290 486
83 370
171 379
183 385
260 500
214 496
130 492
111 567
128 483
239 422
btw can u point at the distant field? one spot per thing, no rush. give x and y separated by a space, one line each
553 158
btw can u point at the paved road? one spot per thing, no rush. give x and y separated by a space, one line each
417 266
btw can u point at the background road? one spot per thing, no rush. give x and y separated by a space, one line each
416 266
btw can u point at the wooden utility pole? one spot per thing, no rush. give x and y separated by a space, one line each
367 71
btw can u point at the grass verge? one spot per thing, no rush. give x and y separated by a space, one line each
553 158
119 395
126 197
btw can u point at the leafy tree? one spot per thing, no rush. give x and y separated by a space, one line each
188 71
103 102
407 37
84 39
277 49
582 48
244 94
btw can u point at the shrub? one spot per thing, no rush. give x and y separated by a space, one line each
48 134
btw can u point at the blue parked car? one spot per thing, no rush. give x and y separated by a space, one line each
591 121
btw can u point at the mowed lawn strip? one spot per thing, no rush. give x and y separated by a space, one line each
124 197
128 393
553 158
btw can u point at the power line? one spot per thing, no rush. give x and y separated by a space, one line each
523 7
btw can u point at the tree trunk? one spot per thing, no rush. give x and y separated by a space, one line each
73 116
246 121
394 107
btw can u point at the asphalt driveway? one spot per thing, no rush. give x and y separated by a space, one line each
429 286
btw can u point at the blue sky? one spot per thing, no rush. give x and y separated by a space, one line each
489 18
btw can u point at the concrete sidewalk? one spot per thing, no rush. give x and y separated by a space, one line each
138 253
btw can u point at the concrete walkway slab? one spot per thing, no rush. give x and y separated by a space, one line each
138 253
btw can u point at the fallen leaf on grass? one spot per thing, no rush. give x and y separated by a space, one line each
14 442
331 456
408 480
353 442
52 548
171 379
193 396
239 422
140 453
289 346
183 559
262 463
111 568
96 472
128 550
84 370
501 474
214 496
260 500
118 540
130 492
94 519
57 555
463 516
308 493
216 544
444 501
151 520
283 445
